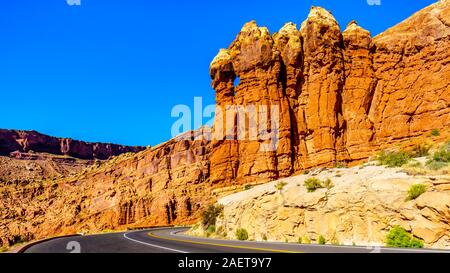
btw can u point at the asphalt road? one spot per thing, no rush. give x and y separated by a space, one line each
172 240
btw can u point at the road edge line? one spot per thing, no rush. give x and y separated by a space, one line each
28 246
150 234
152 245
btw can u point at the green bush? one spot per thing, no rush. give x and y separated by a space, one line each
299 240
280 185
393 159
440 158
399 237
210 230
321 240
415 191
435 132
436 165
247 187
209 216
313 184
306 240
442 155
241 234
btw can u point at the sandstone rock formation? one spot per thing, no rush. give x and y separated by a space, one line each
25 141
360 209
342 95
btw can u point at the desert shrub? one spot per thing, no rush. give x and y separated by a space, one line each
299 240
280 185
413 164
335 242
340 165
440 158
210 230
247 187
415 191
399 237
209 216
393 159
328 183
420 150
442 155
264 237
321 240
306 240
436 165
435 132
313 184
241 234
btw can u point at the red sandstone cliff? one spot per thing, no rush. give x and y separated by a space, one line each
342 95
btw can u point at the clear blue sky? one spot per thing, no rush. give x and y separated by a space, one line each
112 70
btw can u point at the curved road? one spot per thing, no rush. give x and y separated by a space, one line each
171 240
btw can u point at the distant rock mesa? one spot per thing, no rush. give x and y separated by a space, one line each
26 141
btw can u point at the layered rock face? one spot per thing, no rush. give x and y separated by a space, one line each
361 208
165 185
341 95
25 141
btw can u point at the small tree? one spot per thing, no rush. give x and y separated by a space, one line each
209 216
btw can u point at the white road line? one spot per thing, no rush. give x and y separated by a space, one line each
152 245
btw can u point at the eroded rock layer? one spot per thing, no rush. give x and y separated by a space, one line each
342 95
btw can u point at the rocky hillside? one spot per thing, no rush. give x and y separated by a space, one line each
163 185
360 207
342 96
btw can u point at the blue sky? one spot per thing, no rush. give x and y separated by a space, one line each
112 70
